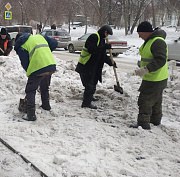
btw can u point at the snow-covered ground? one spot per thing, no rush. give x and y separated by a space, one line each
70 141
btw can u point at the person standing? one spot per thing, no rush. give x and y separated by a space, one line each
154 73
5 43
91 61
37 60
37 29
53 26
40 27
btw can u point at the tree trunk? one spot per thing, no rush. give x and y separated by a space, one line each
153 14
178 24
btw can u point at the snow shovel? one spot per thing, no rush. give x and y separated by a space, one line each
117 87
2 50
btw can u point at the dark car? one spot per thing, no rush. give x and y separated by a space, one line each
61 35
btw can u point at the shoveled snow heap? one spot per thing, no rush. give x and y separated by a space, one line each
70 141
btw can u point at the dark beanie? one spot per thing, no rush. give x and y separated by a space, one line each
18 36
3 31
145 27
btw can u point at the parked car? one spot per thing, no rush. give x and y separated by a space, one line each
177 29
15 29
174 50
61 35
118 46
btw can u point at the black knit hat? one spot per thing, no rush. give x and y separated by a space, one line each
18 36
3 31
145 27
106 28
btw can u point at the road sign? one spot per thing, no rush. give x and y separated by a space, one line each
8 15
8 6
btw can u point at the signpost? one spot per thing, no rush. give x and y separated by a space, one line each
8 14
8 6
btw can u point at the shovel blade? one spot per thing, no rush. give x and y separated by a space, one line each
118 89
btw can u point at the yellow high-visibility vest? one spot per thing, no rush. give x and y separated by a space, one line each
85 55
40 55
147 57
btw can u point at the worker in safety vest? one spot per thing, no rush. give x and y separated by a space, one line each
5 43
154 73
91 61
37 60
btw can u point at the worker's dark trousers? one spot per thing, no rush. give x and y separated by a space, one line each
89 84
32 85
150 107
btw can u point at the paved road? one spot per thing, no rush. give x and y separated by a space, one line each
123 63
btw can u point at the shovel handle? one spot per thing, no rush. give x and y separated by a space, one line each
110 52
112 60
2 50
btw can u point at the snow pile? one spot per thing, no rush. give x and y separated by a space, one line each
70 141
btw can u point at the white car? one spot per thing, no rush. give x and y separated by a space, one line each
118 46
174 50
15 29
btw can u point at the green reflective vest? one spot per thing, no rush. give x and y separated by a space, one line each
85 55
147 57
40 55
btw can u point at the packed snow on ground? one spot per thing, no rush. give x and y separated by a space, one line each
71 141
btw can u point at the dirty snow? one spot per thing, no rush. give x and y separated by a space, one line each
70 141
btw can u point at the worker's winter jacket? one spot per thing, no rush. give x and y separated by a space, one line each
5 45
154 57
85 55
96 48
35 53
147 57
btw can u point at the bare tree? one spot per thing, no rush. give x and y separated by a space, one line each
132 12
84 6
125 13
69 11
175 6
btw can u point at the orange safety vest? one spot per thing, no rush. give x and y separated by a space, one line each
5 46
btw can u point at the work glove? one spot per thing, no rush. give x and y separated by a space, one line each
142 71
107 46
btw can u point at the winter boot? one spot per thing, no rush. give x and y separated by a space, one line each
88 106
144 125
155 121
46 106
22 105
30 114
87 101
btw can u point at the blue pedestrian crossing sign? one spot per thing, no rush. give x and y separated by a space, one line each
8 15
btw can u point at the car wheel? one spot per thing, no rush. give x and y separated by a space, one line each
71 48
115 54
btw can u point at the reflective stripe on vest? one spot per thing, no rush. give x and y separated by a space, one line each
40 55
85 55
147 57
38 46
